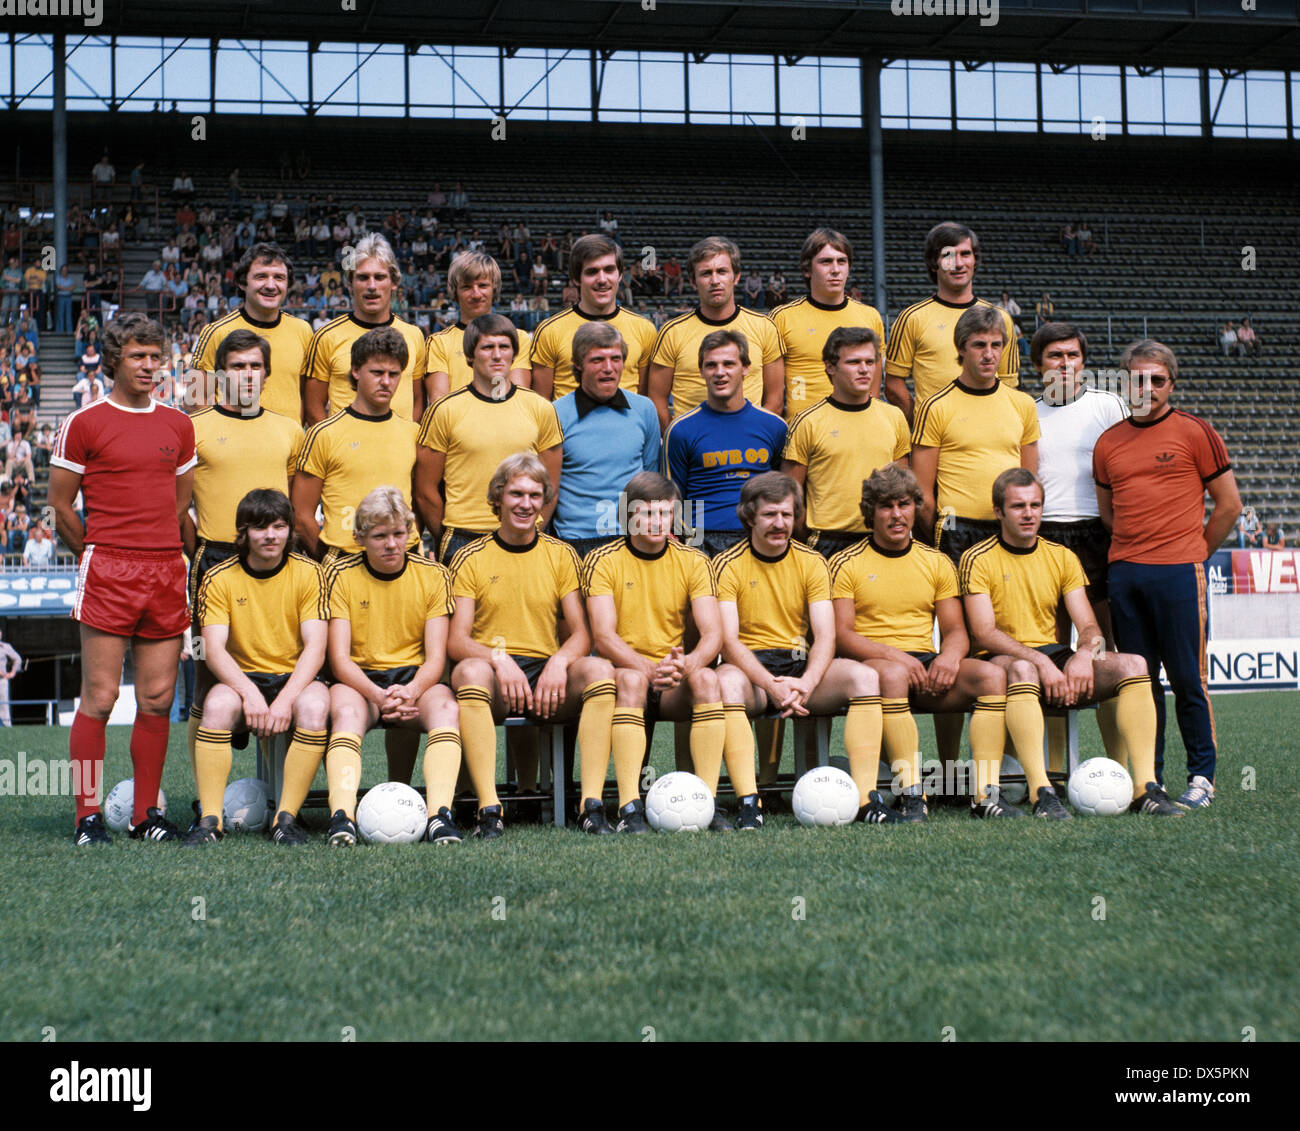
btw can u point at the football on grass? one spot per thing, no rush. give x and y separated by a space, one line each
246 805
1100 788
392 813
825 796
679 803
119 802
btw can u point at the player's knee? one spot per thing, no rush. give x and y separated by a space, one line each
893 679
704 686
441 710
731 682
864 680
221 708
631 687
990 679
1130 665
312 710
1022 671
472 673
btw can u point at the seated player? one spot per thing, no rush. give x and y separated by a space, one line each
389 613
263 619
642 589
773 592
1012 585
510 587
889 591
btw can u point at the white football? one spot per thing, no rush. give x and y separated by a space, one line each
246 805
679 802
392 813
120 801
1016 791
825 796
1100 788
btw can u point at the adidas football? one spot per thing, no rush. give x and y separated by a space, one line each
392 813
119 803
825 796
1100 788
679 802
246 805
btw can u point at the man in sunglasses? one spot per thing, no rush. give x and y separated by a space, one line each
1152 471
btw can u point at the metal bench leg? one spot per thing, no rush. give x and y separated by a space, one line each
557 773
823 726
1072 741
271 753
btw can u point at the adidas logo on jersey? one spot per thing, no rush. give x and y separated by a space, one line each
241 601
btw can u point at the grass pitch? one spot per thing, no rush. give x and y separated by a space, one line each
998 931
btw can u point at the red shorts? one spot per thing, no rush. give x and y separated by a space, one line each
132 592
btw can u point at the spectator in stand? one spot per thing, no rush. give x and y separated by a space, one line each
102 179
39 551
171 253
233 181
1070 238
23 413
672 276
519 312
34 281
1246 339
550 248
18 524
1229 342
183 186
609 227
153 280
776 289
753 296
18 456
1007 303
437 199
1044 309
43 445
458 203
539 275
1249 535
65 289
1274 537
1086 242
11 281
570 294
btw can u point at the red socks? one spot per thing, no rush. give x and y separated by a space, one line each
148 752
86 750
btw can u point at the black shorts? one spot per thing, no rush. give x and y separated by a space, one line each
828 543
926 658
389 678
270 685
960 534
532 667
453 540
1059 654
206 556
781 662
1090 540
715 541
583 546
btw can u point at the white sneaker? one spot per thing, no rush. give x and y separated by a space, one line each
1198 795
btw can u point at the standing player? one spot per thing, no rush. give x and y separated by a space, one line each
675 372
510 588
1152 472
132 459
806 323
1071 416
842 438
1012 585
774 595
596 266
641 591
920 340
889 592
475 283
466 435
263 619
264 273
389 613
609 435
373 276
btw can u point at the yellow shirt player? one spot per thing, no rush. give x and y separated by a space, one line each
510 588
920 340
641 590
714 266
775 595
390 612
806 323
362 447
967 434
1012 585
265 276
263 618
465 436
839 441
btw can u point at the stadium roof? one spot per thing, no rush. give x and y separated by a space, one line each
1141 33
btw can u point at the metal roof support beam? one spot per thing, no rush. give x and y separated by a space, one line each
60 149
869 69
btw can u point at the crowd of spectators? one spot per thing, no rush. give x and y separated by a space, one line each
1239 341
1254 534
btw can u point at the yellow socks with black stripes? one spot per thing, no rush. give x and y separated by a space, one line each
212 759
343 772
627 737
738 746
1025 726
1108 724
862 733
301 761
988 735
1135 719
191 737
441 765
901 744
595 726
478 735
709 740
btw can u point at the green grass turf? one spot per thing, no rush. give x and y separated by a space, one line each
985 927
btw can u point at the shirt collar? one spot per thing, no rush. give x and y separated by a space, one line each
586 404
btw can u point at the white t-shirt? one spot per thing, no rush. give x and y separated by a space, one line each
1069 433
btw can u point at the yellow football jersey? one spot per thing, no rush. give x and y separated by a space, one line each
553 345
329 359
445 353
772 595
921 346
476 433
353 454
804 326
238 454
841 445
516 590
979 434
652 594
289 338
894 592
265 611
1025 585
678 347
388 612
